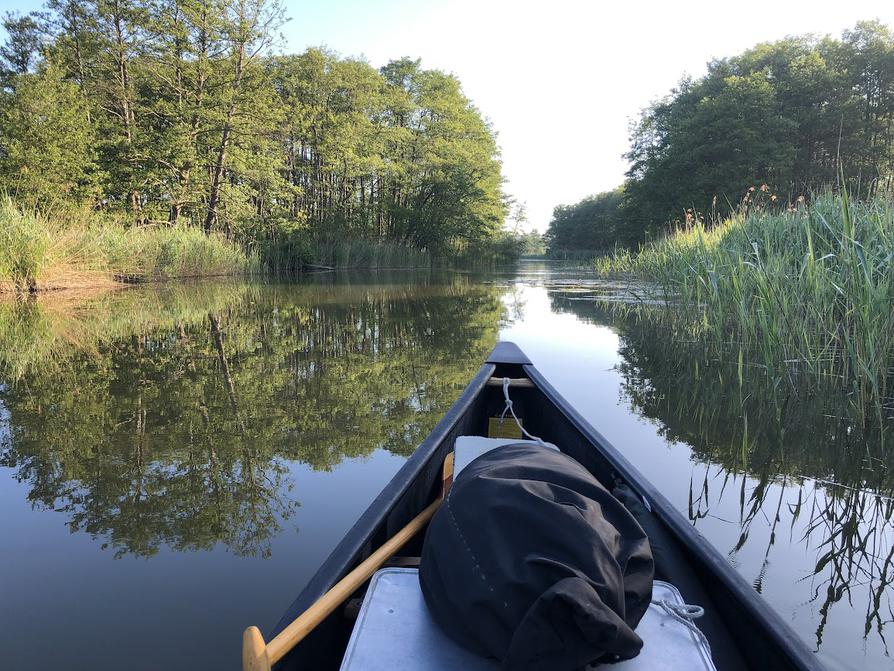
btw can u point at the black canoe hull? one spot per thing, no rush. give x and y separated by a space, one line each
744 631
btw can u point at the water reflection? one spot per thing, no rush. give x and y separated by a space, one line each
204 425
169 418
779 461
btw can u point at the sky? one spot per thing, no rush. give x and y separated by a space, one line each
560 81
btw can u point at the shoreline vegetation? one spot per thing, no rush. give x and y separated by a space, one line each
794 114
77 250
794 290
760 199
128 130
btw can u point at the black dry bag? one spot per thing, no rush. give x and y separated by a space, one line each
532 561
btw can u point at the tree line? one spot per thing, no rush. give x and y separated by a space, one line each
788 115
182 112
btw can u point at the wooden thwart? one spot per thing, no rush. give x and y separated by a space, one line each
258 656
522 382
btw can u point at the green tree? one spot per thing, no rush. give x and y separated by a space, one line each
191 120
706 147
247 31
594 224
46 141
789 114
24 40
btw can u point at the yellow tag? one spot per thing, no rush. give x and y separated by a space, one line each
506 428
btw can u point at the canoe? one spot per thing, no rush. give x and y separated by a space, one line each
744 632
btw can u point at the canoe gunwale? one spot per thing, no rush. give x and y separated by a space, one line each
402 498
777 629
416 484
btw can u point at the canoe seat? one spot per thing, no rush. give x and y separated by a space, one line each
468 448
394 632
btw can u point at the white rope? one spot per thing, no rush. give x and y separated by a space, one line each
509 409
685 614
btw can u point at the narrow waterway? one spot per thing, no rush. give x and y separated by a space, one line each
176 461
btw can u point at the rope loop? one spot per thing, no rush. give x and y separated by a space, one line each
685 613
509 409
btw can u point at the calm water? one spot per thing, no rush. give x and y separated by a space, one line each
176 461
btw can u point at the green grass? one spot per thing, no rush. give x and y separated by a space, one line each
76 248
809 288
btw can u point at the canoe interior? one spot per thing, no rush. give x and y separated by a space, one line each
743 631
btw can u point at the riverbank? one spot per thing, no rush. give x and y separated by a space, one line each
75 249
808 288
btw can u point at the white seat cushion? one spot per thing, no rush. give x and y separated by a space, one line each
394 632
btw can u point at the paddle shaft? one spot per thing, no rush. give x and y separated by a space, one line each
257 657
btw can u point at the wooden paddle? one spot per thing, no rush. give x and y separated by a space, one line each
260 656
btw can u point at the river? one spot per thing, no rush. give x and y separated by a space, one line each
177 460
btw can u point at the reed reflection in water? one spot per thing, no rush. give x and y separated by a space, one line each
787 478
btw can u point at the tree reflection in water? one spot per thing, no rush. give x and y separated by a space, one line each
171 416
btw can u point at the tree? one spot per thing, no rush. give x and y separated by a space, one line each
46 142
589 226
866 58
247 30
180 76
120 37
789 114
192 121
24 40
707 147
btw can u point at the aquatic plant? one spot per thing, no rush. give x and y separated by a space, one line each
809 287
779 461
295 253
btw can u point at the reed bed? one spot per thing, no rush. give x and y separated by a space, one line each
295 253
76 249
361 253
807 288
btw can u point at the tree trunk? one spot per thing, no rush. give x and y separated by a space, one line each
220 163
124 103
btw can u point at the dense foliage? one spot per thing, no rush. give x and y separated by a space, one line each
587 226
789 114
178 112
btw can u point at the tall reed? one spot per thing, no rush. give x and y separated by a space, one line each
810 287
294 253
74 248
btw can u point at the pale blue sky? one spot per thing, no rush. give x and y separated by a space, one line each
559 80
